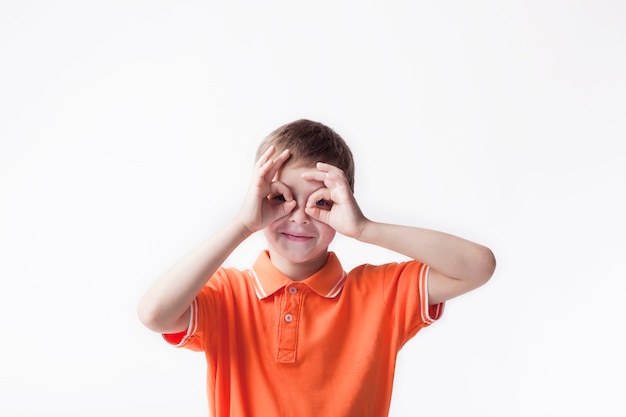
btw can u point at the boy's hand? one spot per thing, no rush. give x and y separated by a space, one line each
334 204
260 207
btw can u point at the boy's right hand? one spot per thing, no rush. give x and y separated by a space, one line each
259 208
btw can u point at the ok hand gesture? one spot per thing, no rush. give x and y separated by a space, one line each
334 204
257 210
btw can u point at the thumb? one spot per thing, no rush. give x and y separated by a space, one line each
285 208
318 214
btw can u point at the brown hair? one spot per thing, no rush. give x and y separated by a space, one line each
310 142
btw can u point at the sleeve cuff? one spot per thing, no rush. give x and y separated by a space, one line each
181 338
430 313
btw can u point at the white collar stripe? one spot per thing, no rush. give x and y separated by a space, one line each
258 288
338 286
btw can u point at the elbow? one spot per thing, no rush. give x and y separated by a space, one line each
158 318
487 266
148 315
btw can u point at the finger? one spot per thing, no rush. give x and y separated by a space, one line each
284 155
278 188
315 176
263 164
266 156
266 167
286 208
323 194
325 170
277 163
282 206
318 214
324 167
332 180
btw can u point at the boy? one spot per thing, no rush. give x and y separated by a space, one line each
295 335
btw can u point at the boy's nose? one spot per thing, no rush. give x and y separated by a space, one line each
298 215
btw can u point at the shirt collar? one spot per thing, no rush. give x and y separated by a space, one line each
326 282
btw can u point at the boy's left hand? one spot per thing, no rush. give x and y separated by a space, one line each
334 204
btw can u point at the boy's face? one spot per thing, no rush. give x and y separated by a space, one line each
297 242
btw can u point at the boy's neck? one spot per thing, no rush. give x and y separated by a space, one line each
298 271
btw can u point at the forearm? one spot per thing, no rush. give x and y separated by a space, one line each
163 305
450 255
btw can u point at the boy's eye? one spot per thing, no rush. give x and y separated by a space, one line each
280 197
323 204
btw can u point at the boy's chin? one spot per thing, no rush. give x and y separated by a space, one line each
298 256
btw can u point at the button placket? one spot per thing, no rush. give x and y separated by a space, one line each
288 326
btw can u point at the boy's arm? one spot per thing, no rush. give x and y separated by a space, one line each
165 306
456 265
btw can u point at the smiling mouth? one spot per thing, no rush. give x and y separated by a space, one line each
296 238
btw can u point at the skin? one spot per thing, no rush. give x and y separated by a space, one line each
298 243
300 209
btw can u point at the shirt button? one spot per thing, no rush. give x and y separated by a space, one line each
288 318
293 290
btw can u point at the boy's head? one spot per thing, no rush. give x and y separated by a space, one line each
310 142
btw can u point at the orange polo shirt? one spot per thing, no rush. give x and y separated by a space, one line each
322 347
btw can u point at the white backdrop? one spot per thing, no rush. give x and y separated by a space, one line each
127 135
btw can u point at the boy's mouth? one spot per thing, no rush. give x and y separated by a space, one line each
296 237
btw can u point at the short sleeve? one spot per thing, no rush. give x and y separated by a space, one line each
189 338
406 297
205 314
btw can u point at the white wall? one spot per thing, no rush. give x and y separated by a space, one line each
127 135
